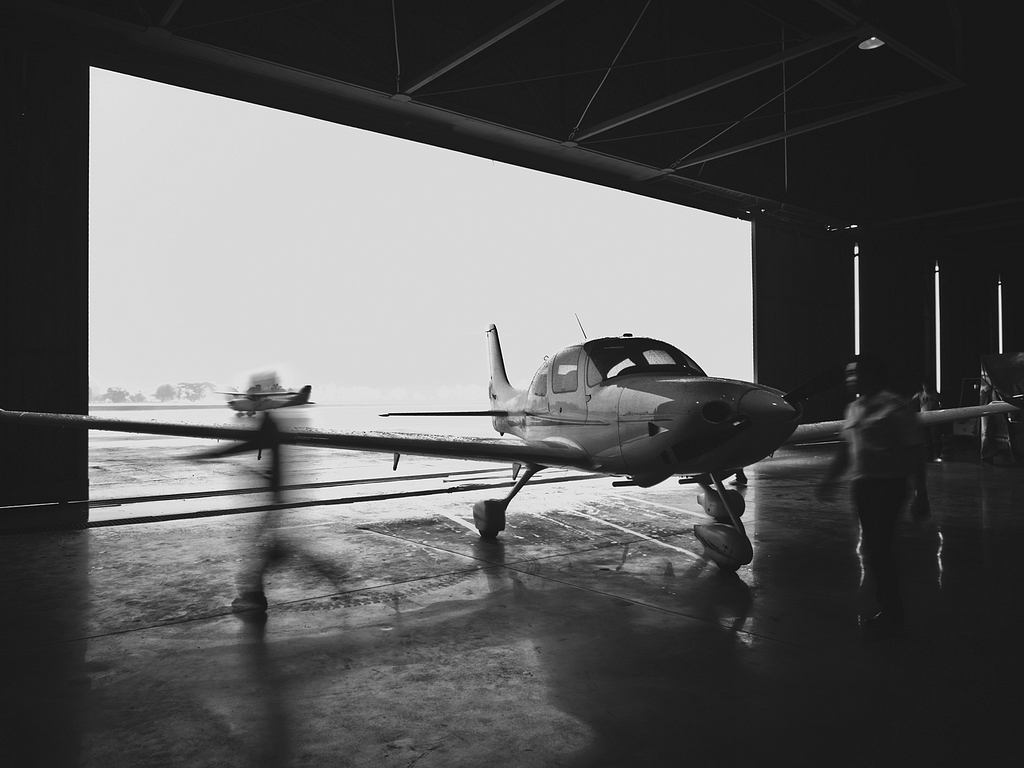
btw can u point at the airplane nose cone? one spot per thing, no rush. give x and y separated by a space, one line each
766 409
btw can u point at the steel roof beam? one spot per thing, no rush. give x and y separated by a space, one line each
923 93
482 44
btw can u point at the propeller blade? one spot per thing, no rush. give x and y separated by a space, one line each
827 379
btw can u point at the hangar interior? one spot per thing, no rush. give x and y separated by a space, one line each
769 112
773 112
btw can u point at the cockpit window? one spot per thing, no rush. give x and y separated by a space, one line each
614 357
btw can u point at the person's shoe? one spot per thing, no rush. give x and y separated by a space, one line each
249 601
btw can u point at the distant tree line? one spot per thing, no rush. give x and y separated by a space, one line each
185 390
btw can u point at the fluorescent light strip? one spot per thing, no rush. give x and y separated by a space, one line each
856 299
999 311
938 333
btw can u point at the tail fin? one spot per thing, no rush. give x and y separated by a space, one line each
303 397
500 389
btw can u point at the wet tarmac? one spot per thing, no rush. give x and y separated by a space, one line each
592 633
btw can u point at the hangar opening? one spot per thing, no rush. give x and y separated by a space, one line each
225 236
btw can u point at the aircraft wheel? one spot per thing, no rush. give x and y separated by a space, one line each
489 517
729 548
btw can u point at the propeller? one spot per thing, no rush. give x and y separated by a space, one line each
826 379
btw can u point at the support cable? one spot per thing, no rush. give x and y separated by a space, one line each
609 70
762 106
398 60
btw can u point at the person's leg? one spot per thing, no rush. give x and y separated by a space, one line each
878 503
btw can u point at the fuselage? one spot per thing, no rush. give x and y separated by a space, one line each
642 408
252 403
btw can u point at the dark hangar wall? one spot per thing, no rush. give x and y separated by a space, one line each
804 313
44 231
803 310
898 292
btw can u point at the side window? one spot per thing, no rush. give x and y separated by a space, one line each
594 376
565 371
540 383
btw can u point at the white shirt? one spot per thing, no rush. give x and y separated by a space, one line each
881 431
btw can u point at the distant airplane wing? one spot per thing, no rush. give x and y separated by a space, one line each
552 453
829 430
259 395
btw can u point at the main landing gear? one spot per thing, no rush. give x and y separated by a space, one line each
489 515
725 540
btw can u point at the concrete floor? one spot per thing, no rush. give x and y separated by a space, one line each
591 634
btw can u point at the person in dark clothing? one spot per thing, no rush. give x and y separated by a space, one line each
928 400
884 448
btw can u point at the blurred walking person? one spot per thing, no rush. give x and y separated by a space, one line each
883 449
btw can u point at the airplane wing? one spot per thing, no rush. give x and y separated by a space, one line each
550 453
829 430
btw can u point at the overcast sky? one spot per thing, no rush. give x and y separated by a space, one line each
227 238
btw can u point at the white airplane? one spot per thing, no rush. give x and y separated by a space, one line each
636 408
256 399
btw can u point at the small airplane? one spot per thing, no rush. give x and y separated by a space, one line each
631 407
256 398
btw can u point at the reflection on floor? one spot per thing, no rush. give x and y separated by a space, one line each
591 634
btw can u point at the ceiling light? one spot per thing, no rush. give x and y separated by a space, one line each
871 43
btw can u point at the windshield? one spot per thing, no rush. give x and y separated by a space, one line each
614 357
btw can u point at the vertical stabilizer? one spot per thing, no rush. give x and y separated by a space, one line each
500 390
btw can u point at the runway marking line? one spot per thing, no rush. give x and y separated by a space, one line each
699 515
639 535
458 520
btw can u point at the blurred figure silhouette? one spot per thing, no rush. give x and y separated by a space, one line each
926 399
267 544
883 446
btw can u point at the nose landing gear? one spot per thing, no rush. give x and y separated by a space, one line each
725 541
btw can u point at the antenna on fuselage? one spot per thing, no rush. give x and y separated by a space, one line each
580 325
